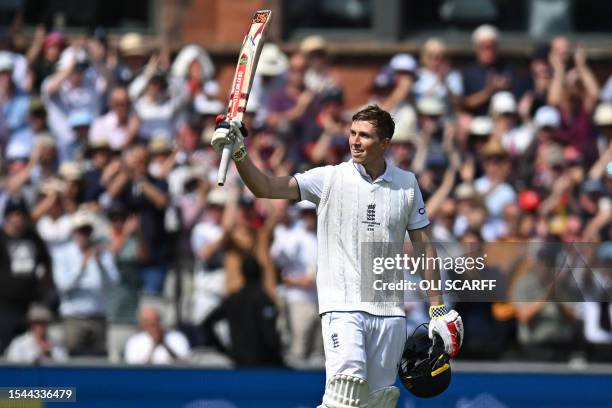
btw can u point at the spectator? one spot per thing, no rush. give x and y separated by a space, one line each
493 185
83 271
575 94
545 325
488 74
436 79
295 255
35 346
37 125
100 156
291 107
128 248
271 72
317 77
52 221
154 345
14 102
119 127
43 54
207 244
25 270
156 108
252 316
132 57
146 196
76 86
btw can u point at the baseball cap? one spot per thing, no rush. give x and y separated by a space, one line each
16 204
132 44
465 191
383 79
54 38
403 63
217 196
272 61
18 150
481 126
430 105
80 118
313 43
80 219
547 116
6 61
503 102
603 114
39 313
332 95
529 200
71 171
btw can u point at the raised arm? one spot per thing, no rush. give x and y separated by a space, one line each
260 184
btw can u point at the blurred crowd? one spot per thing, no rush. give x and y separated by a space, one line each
116 242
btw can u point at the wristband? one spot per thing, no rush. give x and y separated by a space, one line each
437 311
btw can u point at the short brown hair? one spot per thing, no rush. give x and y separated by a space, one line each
380 119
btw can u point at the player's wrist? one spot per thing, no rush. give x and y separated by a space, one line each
436 311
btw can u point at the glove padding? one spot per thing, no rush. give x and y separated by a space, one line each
449 326
232 133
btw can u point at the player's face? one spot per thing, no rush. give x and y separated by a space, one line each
366 146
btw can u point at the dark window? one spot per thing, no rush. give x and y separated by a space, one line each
327 14
113 14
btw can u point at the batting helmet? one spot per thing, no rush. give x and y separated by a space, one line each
425 368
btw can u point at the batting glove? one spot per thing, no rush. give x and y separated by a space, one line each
232 133
449 326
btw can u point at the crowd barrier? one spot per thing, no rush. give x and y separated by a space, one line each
186 387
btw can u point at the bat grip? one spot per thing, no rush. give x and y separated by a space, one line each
223 165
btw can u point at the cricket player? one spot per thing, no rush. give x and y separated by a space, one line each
365 199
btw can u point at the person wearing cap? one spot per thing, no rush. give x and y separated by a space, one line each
119 126
53 223
575 93
25 269
128 248
75 86
436 78
326 140
602 118
294 252
36 126
207 246
147 196
318 76
133 52
493 185
14 102
405 72
156 107
192 71
44 53
291 106
507 127
488 74
83 271
35 346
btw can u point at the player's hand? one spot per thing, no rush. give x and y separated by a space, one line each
232 133
449 326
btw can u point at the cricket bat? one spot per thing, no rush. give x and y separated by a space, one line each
243 79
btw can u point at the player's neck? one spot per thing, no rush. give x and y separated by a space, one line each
375 169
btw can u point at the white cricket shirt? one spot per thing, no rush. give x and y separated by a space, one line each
352 209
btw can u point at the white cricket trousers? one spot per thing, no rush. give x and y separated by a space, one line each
363 345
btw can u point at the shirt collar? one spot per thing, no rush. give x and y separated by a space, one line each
386 176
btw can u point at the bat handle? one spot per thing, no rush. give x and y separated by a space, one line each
223 165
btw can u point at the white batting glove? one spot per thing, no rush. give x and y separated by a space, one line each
232 133
449 326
